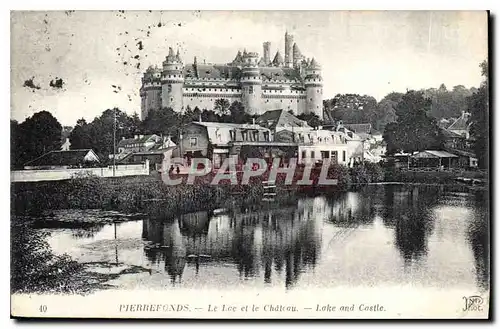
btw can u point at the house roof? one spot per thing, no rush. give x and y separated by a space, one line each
314 136
61 158
451 134
220 132
280 118
460 123
434 154
229 125
359 127
140 140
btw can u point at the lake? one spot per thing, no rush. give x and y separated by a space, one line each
380 235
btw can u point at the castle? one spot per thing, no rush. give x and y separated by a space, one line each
293 83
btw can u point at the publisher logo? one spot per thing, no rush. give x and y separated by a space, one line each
473 303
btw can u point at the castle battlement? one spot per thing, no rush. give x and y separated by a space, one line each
291 83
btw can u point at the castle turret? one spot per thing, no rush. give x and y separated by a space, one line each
150 91
297 56
172 81
314 89
266 55
288 50
251 84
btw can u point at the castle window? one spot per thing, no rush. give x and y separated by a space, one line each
310 99
171 99
169 88
250 90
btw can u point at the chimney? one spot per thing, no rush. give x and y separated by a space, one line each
199 118
136 136
141 136
253 120
123 138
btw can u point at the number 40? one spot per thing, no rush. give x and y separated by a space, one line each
43 308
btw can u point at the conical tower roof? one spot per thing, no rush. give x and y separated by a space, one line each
296 51
238 57
314 64
278 59
262 62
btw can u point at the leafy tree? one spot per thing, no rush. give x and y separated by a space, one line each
478 104
237 114
386 112
162 122
413 130
352 108
35 136
98 135
221 106
312 119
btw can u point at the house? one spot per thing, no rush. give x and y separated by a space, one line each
460 146
434 158
461 126
139 143
64 160
317 145
155 154
217 141
277 120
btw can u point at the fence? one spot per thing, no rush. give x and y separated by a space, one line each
61 174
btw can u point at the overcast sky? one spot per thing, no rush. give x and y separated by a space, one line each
366 52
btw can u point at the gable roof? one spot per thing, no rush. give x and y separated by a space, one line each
280 118
62 158
365 128
141 140
460 123
434 154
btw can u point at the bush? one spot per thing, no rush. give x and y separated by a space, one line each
367 173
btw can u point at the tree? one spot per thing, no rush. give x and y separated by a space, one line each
98 135
36 136
386 112
237 114
478 104
413 130
221 106
311 118
80 137
352 108
162 122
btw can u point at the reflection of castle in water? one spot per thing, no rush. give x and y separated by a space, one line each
286 240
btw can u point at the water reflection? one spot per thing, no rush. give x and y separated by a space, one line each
279 240
430 236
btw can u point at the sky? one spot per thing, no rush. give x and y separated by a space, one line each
96 54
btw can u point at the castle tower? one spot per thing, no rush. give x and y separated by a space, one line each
172 81
297 56
150 91
267 52
288 50
251 84
314 89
